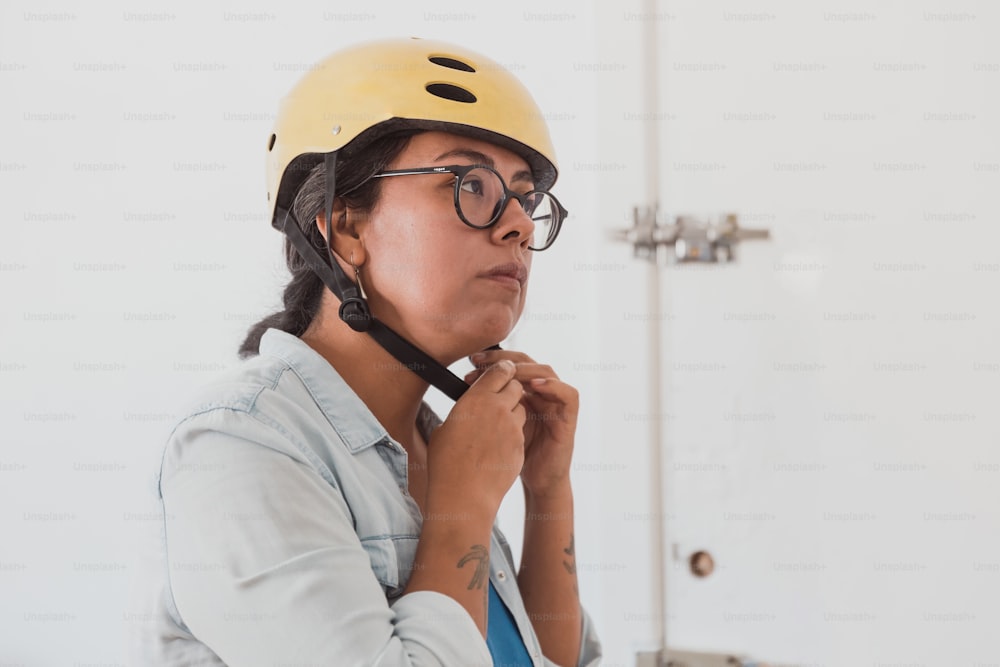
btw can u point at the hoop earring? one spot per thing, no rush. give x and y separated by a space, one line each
357 276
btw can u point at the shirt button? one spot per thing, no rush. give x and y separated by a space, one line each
501 575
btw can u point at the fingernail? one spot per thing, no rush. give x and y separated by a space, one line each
477 357
538 382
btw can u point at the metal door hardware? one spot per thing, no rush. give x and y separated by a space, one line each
688 238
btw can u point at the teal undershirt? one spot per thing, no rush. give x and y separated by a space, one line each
502 637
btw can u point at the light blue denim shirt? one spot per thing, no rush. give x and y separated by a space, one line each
289 534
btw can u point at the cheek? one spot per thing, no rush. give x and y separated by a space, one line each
414 264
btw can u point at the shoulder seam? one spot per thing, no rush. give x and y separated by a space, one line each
331 422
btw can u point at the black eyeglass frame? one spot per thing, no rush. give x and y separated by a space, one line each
460 171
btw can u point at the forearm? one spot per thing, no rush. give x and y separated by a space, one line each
547 576
453 558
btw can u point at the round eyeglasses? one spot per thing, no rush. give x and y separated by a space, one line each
481 196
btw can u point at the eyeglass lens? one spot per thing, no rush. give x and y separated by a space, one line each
480 195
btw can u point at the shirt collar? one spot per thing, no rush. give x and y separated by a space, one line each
346 412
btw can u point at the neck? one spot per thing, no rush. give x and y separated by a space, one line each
391 391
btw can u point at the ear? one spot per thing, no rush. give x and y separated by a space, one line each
345 228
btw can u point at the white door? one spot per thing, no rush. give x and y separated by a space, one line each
829 401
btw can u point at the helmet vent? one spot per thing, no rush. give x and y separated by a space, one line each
270 142
451 92
451 63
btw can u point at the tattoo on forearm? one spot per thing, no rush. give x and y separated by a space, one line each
570 551
480 554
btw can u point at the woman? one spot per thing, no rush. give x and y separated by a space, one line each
316 511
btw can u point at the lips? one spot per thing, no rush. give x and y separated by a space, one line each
511 270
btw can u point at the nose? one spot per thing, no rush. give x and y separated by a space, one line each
514 225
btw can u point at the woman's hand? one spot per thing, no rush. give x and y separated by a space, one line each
550 423
476 454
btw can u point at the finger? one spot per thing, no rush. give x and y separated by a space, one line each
487 357
496 377
528 373
520 414
513 393
553 389
524 373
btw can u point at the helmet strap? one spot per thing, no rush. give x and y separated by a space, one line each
354 308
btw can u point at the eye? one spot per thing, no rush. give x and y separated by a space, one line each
531 202
472 185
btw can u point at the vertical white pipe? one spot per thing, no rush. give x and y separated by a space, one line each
651 116
656 456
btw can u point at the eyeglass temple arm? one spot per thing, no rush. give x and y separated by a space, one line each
412 172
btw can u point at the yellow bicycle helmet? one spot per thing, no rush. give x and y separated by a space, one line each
369 90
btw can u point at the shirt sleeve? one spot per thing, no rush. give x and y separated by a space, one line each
265 566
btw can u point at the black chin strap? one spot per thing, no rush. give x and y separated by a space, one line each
353 307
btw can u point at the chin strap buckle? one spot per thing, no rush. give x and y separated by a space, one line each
354 310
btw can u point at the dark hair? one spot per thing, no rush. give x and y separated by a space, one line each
303 294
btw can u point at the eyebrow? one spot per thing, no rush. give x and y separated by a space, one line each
482 158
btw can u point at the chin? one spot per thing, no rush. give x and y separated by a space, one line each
451 338
488 334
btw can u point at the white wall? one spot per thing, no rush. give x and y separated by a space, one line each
136 253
